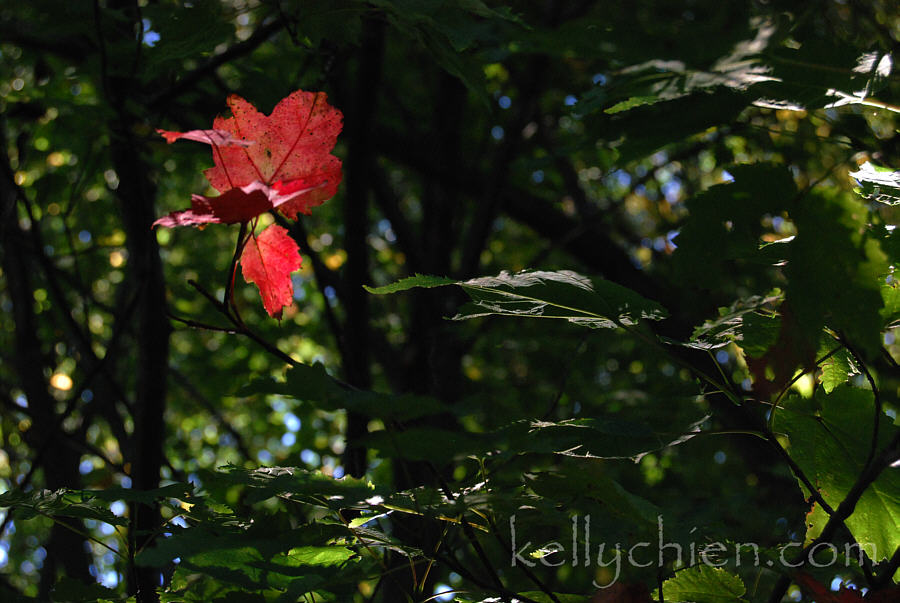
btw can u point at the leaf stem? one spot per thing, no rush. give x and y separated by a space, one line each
238 250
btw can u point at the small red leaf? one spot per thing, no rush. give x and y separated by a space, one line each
268 260
217 138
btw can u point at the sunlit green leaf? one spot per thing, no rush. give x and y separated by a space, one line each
703 584
830 439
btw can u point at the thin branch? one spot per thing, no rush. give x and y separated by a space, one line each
886 575
195 393
868 476
238 250
473 539
795 379
323 275
240 327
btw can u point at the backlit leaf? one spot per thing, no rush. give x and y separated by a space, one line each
703 584
567 295
268 260
830 437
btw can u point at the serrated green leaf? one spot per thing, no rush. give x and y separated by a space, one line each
311 487
890 296
564 294
590 302
59 503
645 129
835 271
621 504
180 38
830 443
837 369
634 101
703 584
878 183
313 385
725 223
607 437
740 323
412 282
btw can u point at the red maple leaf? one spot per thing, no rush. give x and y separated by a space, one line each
293 143
268 260
263 162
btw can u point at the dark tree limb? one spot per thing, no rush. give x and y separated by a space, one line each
60 465
356 335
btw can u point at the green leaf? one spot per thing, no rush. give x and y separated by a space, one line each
178 490
725 227
878 183
428 444
76 591
703 584
634 101
338 21
419 280
821 72
314 385
835 271
590 302
607 437
890 295
311 487
830 438
59 503
739 323
837 369
645 129
180 37
620 504
450 32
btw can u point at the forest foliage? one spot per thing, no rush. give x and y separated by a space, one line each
697 198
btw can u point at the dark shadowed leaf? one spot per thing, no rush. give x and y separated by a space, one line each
582 300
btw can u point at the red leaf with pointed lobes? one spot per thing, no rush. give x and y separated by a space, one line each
292 143
281 161
268 260
217 138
